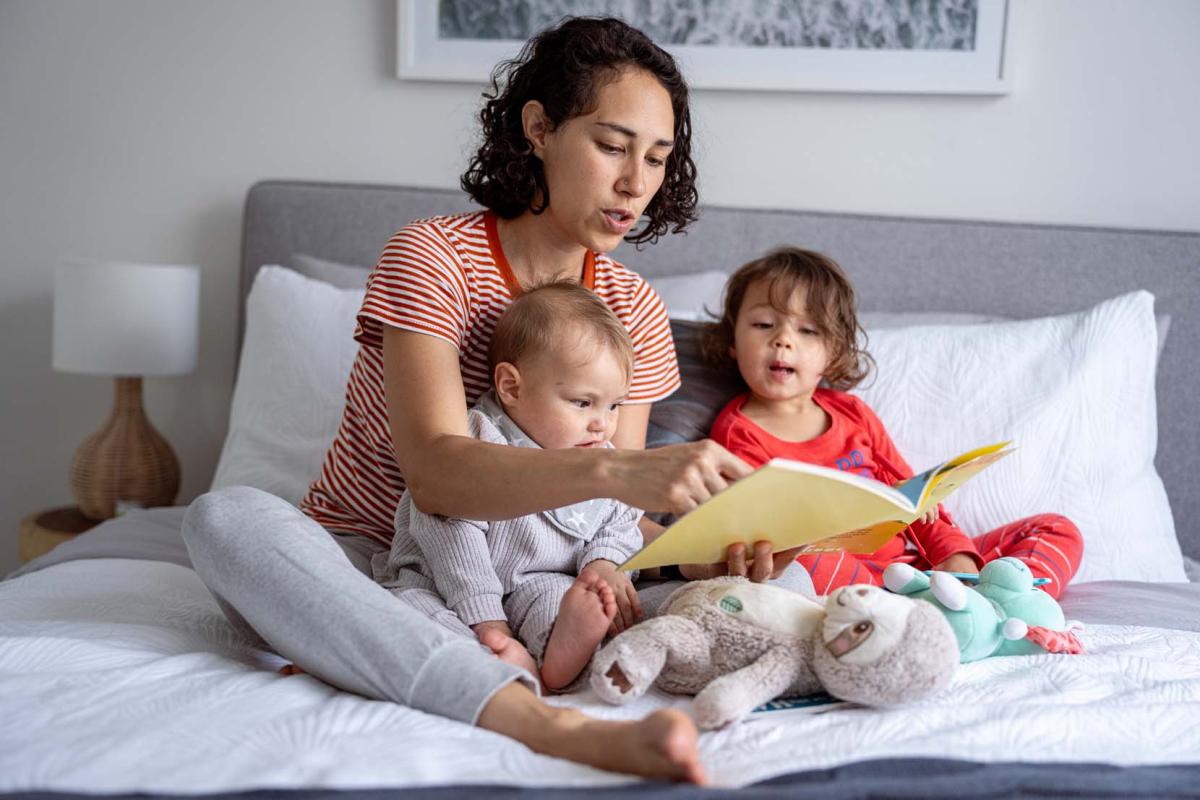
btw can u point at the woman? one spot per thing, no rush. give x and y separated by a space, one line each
584 133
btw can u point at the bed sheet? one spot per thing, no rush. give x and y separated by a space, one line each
120 675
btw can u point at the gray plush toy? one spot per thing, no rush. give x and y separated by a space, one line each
736 645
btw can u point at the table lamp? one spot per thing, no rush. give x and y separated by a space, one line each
127 321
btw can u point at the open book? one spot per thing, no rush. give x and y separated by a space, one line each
791 503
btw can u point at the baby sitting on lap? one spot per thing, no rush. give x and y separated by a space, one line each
561 366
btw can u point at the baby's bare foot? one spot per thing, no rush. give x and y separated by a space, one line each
584 615
509 650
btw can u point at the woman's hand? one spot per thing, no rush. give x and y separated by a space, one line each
764 565
675 478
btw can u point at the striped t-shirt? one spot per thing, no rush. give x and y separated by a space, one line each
447 277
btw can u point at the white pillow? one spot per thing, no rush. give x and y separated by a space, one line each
1075 393
691 297
291 382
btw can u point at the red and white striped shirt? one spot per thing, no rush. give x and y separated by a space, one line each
447 277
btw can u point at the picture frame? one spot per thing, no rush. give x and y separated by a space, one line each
422 54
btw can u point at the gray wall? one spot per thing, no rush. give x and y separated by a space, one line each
132 129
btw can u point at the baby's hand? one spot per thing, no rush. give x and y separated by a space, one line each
929 516
629 607
501 625
498 637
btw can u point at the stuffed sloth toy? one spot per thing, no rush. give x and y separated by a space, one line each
736 645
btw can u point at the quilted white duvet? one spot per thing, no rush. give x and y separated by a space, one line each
122 675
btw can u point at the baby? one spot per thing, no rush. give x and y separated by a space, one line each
790 329
561 366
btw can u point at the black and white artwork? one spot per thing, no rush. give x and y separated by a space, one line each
942 46
839 24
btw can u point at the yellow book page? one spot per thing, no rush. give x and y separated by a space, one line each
863 540
788 506
960 470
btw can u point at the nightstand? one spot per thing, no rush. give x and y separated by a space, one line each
43 531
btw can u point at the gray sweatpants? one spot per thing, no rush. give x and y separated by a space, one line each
530 610
281 577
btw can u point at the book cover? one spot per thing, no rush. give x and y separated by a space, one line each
791 503
813 704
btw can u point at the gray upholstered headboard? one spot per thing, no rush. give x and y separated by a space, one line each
897 265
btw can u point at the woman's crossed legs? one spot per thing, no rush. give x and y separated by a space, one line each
282 576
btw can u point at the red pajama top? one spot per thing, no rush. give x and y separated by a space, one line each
447 277
857 441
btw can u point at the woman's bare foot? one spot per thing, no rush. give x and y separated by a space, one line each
509 650
584 616
663 746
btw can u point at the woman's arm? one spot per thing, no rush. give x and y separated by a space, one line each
631 435
758 565
450 473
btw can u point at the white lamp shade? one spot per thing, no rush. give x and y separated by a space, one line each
126 319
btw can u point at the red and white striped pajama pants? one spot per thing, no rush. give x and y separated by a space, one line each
1049 544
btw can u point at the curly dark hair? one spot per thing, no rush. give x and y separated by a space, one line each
563 68
829 301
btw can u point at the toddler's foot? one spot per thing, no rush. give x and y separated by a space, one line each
509 650
584 615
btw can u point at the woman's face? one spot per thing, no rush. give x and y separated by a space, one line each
603 168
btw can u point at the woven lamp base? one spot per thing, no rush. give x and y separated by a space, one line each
126 461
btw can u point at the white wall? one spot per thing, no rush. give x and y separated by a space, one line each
133 128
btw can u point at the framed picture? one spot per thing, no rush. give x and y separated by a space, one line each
894 46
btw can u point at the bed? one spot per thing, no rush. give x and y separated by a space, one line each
118 674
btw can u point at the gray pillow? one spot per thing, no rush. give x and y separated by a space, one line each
687 415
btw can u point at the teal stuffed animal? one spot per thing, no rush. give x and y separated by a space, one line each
1004 614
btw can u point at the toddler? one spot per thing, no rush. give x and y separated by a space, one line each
542 590
789 325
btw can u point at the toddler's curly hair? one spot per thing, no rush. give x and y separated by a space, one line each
829 301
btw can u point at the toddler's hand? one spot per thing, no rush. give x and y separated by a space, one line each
958 563
929 516
629 607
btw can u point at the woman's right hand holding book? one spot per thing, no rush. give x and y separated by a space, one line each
676 478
